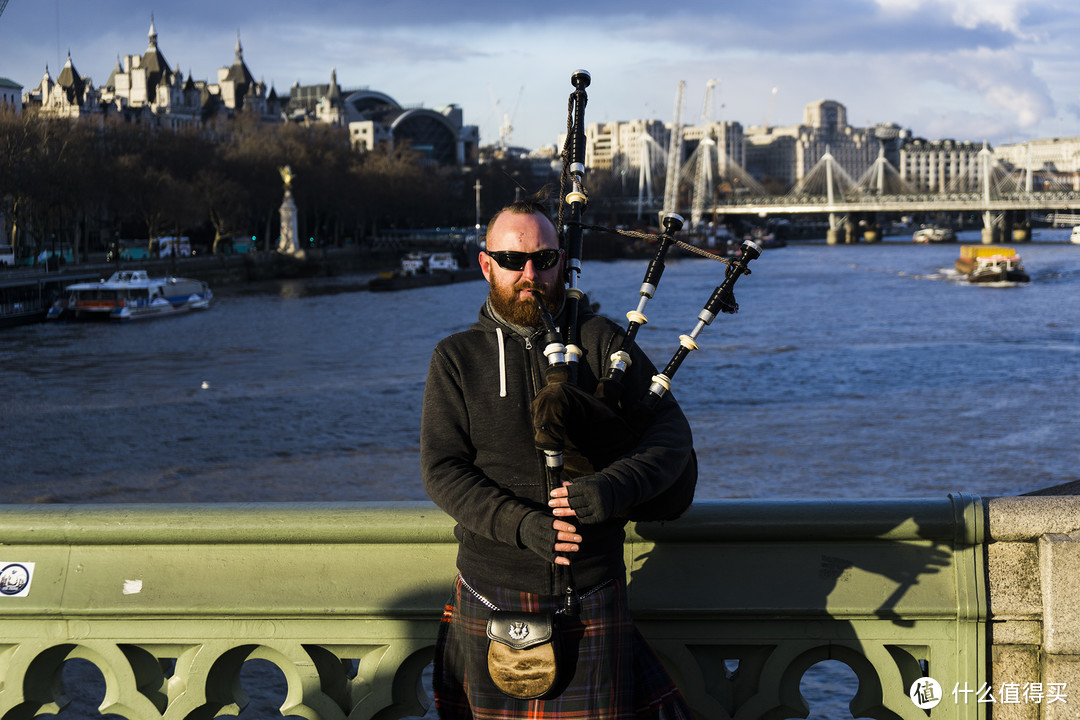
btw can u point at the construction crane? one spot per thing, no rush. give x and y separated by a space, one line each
703 180
506 127
674 160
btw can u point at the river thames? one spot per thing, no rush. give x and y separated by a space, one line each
850 371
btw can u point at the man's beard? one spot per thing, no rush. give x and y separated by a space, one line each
524 312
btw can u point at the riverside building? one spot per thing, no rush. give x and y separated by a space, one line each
10 96
146 88
1058 157
939 166
627 145
788 154
783 154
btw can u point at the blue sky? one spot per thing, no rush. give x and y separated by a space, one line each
995 70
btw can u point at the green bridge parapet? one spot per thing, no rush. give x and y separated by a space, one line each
739 598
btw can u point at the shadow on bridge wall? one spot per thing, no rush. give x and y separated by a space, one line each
741 605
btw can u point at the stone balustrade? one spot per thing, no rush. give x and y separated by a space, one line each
739 598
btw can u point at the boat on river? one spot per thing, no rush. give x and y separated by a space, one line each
131 295
764 238
991 264
1074 236
25 298
934 234
423 270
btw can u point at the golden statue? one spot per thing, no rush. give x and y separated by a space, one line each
287 176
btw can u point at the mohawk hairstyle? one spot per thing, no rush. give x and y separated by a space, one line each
537 203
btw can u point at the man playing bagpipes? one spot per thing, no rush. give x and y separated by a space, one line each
537 625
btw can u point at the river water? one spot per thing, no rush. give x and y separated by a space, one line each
849 371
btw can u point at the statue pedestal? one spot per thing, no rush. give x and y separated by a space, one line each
288 243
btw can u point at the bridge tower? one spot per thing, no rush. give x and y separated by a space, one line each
991 231
645 186
837 223
703 180
674 163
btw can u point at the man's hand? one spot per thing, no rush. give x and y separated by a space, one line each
548 537
588 498
568 541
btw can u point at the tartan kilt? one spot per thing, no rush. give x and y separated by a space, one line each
607 670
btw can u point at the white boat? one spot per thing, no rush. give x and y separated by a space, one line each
442 262
131 295
1074 236
424 269
990 264
934 234
998 269
415 263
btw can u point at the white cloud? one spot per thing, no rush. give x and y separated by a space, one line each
1006 15
1007 82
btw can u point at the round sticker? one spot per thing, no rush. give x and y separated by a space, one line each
13 579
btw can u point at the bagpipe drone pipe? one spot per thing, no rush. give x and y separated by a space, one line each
582 432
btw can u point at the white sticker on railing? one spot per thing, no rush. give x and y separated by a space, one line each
132 587
15 578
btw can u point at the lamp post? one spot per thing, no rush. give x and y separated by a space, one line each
477 188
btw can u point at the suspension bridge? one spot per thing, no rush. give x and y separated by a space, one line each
1004 197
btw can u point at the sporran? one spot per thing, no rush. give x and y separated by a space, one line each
523 658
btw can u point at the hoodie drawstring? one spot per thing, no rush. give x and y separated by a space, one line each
502 363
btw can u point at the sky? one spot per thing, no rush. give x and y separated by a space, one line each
1000 71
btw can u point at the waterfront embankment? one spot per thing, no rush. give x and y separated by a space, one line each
219 270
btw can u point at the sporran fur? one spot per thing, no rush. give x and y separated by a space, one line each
522 654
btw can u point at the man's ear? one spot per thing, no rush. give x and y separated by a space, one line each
485 265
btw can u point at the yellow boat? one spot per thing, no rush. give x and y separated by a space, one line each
970 254
990 263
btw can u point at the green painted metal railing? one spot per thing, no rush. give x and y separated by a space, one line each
739 598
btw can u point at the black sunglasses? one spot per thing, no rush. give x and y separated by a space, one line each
515 259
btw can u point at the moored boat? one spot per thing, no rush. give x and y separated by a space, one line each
131 295
934 234
764 238
26 299
991 264
423 270
1074 236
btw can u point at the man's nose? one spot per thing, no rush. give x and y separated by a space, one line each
529 270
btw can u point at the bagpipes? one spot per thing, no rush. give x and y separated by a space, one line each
580 432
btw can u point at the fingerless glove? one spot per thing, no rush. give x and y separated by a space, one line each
591 498
537 533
